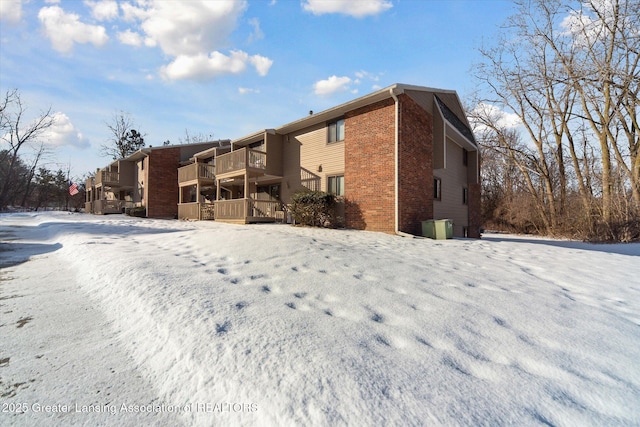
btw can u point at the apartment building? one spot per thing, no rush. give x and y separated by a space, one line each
147 178
397 157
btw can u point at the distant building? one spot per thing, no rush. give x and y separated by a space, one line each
147 178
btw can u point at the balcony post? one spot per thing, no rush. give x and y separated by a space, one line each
246 185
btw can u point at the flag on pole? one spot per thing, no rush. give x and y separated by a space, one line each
73 189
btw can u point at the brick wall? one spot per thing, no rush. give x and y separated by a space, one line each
415 155
162 183
369 177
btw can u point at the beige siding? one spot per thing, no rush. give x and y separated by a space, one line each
127 172
454 179
140 182
438 141
307 151
274 154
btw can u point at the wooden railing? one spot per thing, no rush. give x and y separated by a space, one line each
243 209
257 159
106 177
241 159
188 210
263 208
196 171
235 209
195 210
108 206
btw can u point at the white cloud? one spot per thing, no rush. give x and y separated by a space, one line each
103 10
333 84
246 90
357 8
367 75
495 115
63 132
132 13
11 11
591 24
203 67
186 28
262 64
130 38
257 32
65 29
193 33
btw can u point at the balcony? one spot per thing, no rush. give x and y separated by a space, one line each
196 172
102 207
107 178
241 161
195 210
244 211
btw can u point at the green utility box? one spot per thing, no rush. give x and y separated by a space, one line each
437 228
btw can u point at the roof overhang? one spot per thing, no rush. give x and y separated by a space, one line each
253 137
342 109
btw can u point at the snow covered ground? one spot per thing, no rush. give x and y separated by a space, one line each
125 321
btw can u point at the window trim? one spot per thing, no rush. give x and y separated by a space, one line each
336 136
437 188
329 177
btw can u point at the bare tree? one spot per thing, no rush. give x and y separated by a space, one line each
569 70
195 138
17 135
124 139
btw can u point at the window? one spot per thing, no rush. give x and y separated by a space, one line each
465 157
465 195
268 192
335 185
336 131
437 189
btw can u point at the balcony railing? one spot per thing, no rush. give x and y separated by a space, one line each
188 210
246 209
264 208
195 210
106 177
231 209
195 171
101 207
239 160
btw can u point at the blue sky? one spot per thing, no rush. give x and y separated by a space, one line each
225 68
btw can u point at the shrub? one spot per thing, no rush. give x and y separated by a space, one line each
314 208
139 211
